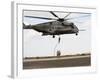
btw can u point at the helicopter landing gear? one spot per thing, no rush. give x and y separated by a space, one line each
53 36
76 34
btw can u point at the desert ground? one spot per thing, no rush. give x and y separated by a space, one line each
57 61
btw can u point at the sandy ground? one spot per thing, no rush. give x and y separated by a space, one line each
72 61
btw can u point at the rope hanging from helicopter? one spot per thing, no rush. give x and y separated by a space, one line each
58 43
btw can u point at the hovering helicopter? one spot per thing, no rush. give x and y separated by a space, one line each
57 27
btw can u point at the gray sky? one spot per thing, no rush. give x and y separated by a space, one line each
37 45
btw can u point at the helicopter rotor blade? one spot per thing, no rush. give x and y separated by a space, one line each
40 17
67 15
54 14
77 17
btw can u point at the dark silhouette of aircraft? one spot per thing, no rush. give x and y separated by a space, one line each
59 26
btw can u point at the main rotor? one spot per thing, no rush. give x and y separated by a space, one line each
57 17
60 20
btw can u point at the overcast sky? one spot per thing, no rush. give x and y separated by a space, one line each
37 45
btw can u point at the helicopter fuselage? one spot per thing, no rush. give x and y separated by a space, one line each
55 28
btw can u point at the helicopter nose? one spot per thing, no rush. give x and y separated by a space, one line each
76 30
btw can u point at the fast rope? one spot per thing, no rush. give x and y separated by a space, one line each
59 39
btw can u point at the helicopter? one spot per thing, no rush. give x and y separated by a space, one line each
59 26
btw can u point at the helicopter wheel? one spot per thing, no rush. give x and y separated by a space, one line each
76 34
53 36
